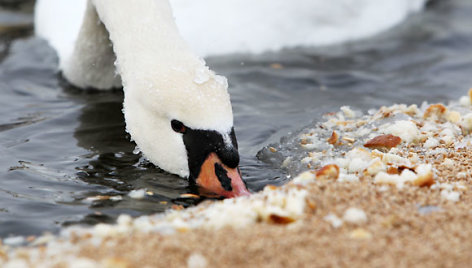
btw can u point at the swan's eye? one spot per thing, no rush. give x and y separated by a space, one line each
177 126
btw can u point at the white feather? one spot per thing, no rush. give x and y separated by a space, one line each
213 27
161 76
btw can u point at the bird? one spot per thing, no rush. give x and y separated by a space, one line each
177 110
214 27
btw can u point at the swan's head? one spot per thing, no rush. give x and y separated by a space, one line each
185 126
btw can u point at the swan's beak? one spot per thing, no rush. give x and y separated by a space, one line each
215 178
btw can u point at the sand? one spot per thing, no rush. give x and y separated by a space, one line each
388 224
396 235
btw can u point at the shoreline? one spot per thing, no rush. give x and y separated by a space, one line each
386 188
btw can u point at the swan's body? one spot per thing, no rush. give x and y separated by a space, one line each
213 27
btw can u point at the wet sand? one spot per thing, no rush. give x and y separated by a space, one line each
396 235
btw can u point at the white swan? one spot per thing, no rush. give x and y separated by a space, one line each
214 27
177 111
165 82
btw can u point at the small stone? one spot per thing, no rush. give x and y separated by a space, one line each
465 101
197 260
276 66
453 117
431 143
360 234
137 194
115 263
304 178
435 112
355 216
14 241
334 138
328 172
383 142
450 195
335 221
277 219
348 112
448 162
470 95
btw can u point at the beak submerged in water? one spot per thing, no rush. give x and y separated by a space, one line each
216 178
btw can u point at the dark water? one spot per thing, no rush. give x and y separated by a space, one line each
60 145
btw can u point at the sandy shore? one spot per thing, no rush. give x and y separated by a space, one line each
390 188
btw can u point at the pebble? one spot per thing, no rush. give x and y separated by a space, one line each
355 216
360 234
14 241
450 195
137 194
197 260
335 221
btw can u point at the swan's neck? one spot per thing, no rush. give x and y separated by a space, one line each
91 64
162 79
158 69
145 40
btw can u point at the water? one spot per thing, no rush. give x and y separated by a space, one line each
60 145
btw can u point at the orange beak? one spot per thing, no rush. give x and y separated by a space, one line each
217 179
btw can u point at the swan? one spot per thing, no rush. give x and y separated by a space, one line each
176 109
247 26
214 27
